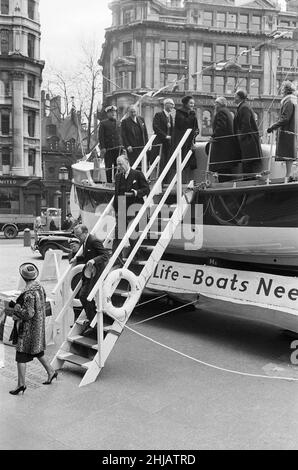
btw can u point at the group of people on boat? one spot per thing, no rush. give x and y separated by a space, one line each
234 147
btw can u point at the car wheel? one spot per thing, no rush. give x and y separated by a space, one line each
10 231
48 246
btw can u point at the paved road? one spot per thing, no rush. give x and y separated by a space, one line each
152 397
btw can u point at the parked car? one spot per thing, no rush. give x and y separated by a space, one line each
57 240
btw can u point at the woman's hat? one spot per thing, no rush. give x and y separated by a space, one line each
28 271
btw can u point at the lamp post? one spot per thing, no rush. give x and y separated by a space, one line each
63 177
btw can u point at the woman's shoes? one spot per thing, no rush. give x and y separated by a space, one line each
22 388
54 376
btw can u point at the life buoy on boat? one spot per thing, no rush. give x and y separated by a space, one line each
109 286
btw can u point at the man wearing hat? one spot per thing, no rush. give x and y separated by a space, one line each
110 141
247 133
163 126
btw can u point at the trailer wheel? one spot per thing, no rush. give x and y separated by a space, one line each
10 231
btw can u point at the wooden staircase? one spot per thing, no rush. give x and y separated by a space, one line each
119 289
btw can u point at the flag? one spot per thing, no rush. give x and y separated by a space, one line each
220 65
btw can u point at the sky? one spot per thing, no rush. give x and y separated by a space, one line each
66 25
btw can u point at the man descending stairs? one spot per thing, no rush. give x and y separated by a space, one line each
117 291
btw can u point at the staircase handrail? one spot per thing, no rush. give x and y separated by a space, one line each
104 213
140 214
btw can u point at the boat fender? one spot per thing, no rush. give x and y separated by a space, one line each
109 286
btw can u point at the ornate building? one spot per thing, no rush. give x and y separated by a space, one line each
204 48
20 81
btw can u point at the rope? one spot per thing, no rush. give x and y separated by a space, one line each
223 369
165 313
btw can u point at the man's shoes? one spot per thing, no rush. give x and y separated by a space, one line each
90 332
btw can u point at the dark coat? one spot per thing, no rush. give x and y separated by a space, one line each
286 145
223 149
134 134
245 123
163 127
135 180
109 134
94 249
184 120
31 333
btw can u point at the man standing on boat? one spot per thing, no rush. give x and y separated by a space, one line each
224 144
130 188
134 134
110 141
163 126
247 132
286 146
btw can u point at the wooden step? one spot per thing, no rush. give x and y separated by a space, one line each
84 341
74 359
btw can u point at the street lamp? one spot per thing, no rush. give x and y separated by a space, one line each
63 177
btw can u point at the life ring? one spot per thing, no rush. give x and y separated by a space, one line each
109 286
69 288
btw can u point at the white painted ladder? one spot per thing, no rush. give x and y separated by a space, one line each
91 354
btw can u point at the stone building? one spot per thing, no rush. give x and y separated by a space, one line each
61 147
20 81
209 47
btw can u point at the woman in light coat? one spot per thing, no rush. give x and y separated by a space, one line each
29 315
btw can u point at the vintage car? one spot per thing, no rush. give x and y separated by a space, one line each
56 240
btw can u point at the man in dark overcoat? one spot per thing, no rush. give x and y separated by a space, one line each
286 146
110 141
224 145
95 257
163 127
134 134
246 129
130 188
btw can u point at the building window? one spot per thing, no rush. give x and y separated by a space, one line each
243 22
220 52
6 45
219 85
127 48
5 118
207 83
9 197
31 5
183 50
173 50
172 77
31 161
231 85
4 84
31 86
242 83
207 53
163 49
221 20
6 159
232 52
232 21
162 79
4 7
255 86
70 145
208 18
31 123
128 16
287 58
243 56
206 122
284 23
256 23
255 57
31 46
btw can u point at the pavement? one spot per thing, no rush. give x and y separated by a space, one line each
190 379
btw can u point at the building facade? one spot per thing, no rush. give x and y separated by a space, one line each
204 48
20 82
61 147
